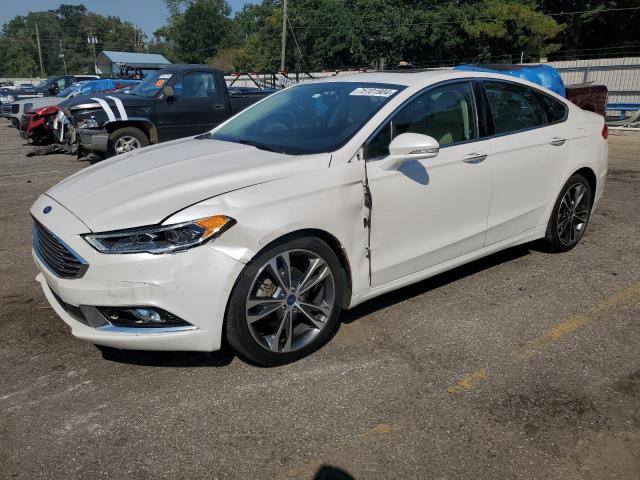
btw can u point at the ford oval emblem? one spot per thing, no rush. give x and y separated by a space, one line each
46 210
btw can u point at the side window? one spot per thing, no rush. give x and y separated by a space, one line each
445 113
195 85
513 107
556 110
61 84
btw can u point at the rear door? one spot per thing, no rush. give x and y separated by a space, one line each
528 155
196 107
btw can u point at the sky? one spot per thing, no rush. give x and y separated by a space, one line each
149 15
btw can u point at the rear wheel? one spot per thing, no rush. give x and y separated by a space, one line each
570 215
286 302
126 139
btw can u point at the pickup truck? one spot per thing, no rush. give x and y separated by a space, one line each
49 87
175 102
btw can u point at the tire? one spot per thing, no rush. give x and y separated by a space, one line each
257 330
570 215
131 136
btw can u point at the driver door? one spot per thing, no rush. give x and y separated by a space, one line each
429 211
196 108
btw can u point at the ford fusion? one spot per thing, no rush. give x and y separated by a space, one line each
310 202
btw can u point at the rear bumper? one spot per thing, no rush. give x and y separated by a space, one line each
93 140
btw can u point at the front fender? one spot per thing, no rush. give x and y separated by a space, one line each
329 200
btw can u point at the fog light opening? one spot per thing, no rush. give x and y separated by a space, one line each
141 317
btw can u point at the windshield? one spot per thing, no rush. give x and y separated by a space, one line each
151 84
308 118
69 90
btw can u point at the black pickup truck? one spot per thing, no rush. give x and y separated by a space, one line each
174 102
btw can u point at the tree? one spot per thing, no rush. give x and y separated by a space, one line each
515 24
201 29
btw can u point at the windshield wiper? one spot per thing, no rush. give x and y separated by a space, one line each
258 145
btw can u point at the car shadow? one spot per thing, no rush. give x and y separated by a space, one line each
225 355
329 472
438 281
221 358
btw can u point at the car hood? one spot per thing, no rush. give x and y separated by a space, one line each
87 101
145 187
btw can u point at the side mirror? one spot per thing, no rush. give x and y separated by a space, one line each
409 146
168 92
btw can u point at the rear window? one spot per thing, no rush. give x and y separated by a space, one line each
556 110
514 107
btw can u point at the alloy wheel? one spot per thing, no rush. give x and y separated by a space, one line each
290 300
573 214
126 144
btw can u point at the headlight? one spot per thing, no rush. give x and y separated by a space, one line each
88 123
8 99
27 107
161 239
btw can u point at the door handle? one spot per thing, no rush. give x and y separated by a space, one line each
218 106
557 141
474 157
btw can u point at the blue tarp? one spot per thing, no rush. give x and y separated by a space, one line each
544 75
104 84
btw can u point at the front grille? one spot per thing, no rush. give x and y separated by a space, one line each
6 108
55 254
24 122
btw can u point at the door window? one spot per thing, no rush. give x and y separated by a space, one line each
556 110
514 107
445 113
195 85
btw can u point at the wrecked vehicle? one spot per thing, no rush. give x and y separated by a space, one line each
175 102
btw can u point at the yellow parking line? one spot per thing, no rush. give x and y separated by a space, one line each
468 382
554 334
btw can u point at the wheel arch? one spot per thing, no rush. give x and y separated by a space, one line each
145 125
591 178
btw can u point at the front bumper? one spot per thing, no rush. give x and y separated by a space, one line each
193 285
93 140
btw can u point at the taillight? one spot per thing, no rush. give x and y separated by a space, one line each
605 131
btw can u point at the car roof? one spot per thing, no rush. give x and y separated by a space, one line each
418 77
187 67
423 78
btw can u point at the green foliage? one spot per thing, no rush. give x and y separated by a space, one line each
62 31
516 24
326 33
200 30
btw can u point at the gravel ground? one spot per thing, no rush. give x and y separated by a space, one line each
521 365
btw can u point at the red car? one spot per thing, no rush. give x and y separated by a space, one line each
37 125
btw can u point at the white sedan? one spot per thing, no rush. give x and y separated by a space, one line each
310 202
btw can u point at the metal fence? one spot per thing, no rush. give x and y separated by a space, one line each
620 75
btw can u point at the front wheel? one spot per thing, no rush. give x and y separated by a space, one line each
570 215
286 302
126 139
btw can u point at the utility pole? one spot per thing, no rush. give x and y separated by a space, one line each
93 40
284 34
61 55
39 52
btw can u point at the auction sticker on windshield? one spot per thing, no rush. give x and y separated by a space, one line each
374 92
165 75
